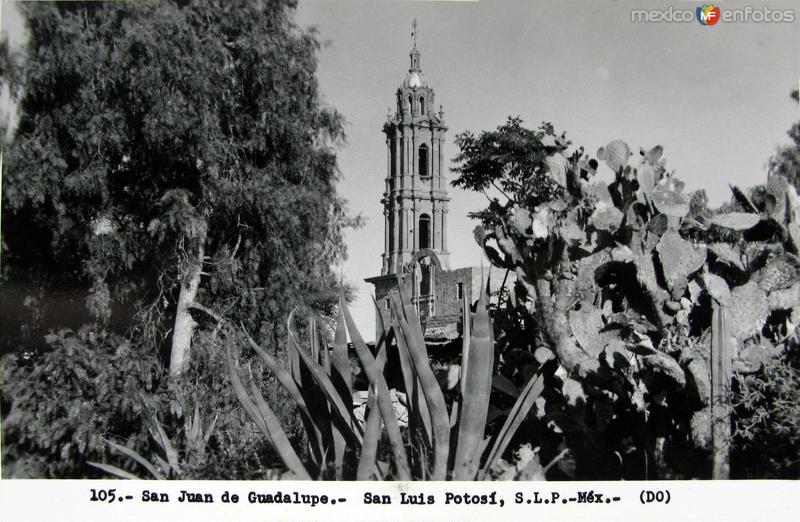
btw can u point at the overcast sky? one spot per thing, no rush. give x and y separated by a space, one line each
716 97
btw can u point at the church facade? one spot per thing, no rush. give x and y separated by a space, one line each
415 206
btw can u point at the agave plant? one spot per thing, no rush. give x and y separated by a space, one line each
165 462
438 444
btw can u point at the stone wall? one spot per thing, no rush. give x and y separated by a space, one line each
445 323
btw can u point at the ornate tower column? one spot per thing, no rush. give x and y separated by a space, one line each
416 189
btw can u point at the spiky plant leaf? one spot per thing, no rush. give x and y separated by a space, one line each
430 387
138 458
346 422
373 367
266 421
478 385
113 470
310 421
527 397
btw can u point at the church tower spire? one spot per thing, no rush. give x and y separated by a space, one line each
414 52
415 198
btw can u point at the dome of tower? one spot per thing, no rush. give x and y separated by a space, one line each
414 80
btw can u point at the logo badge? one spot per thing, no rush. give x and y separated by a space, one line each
707 14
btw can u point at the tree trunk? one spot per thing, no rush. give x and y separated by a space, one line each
553 313
184 324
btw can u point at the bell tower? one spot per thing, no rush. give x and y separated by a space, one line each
415 196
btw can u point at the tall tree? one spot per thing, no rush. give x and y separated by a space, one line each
170 156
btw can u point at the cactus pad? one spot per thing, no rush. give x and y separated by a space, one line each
748 310
736 220
679 259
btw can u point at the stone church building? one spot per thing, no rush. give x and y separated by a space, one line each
415 204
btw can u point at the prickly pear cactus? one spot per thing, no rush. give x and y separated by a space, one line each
620 280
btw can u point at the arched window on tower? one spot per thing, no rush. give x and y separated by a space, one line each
421 105
424 231
410 105
423 161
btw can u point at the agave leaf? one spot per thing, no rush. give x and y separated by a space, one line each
430 387
195 425
278 437
166 445
341 374
504 384
163 464
138 458
284 377
465 338
210 429
522 406
372 433
743 200
312 337
341 378
419 419
402 308
241 394
344 413
113 470
264 418
368 466
374 370
475 403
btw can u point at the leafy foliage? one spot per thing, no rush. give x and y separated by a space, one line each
162 146
766 428
58 408
149 128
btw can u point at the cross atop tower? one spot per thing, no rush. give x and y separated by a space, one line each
414 33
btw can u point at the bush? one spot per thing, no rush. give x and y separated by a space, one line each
59 405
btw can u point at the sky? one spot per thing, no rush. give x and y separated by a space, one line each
715 97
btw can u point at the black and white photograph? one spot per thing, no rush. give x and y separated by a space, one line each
318 240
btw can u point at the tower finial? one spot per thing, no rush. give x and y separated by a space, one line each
414 54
